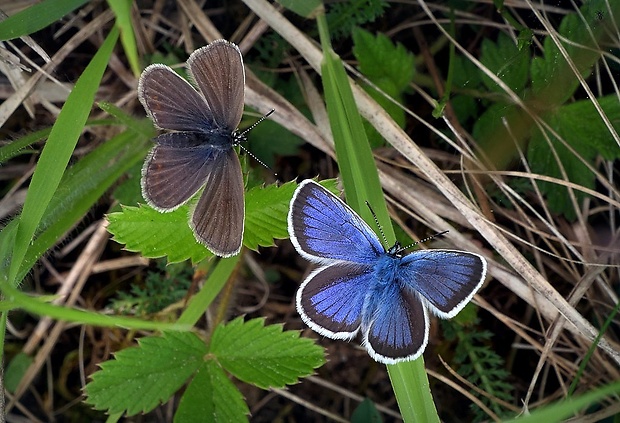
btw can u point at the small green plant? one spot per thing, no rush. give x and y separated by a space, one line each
569 136
142 377
477 362
390 68
161 288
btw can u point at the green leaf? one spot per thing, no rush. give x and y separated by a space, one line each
366 412
507 62
344 16
382 60
552 79
266 209
306 8
15 371
142 377
57 152
122 11
361 181
270 139
355 160
154 234
264 355
18 146
390 67
562 410
580 125
81 187
36 17
212 397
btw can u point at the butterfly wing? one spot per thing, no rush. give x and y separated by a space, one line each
396 324
175 169
323 229
331 299
219 73
446 279
217 219
172 102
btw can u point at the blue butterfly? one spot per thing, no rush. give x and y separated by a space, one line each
361 286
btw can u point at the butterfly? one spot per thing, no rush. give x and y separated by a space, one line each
198 152
360 286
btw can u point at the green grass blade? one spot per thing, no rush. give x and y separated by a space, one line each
36 17
361 182
122 11
81 187
18 146
214 284
562 410
57 152
355 159
38 307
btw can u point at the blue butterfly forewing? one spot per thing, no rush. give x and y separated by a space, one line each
362 287
201 151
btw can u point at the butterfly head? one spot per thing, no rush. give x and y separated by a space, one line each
396 250
239 137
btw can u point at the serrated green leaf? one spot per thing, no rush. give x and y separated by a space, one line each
344 16
140 378
390 67
211 397
552 79
506 61
266 209
468 75
264 355
580 125
380 59
154 234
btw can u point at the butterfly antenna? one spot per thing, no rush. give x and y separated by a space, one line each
254 157
374 216
245 131
422 241
241 136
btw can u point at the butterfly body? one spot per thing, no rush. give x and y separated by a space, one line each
360 287
198 151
